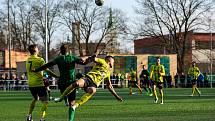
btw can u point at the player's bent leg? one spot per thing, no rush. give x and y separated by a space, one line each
69 89
155 94
90 91
31 108
44 100
160 86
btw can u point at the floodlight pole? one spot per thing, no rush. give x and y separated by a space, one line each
9 39
46 28
211 59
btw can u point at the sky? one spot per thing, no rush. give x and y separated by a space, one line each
125 5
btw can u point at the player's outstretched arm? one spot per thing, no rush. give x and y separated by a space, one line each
86 59
111 89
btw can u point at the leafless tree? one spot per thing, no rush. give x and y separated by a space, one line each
53 11
22 23
171 21
94 22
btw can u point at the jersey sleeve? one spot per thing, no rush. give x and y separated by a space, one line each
100 61
162 71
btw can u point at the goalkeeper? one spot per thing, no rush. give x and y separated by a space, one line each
101 71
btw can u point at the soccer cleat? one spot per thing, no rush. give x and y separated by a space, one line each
200 93
42 119
73 107
29 118
156 100
191 95
161 102
57 100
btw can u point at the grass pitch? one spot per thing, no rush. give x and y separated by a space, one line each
178 106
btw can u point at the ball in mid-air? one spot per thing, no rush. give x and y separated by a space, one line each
99 2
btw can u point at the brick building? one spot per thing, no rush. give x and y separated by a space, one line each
200 47
15 57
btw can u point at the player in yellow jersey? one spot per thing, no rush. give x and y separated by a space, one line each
157 72
36 83
101 71
194 73
133 82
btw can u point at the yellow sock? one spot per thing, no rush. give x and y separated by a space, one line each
197 90
32 105
43 109
140 90
68 90
161 94
155 93
83 99
193 89
130 91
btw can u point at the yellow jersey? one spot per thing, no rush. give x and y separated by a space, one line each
157 72
35 79
99 72
194 72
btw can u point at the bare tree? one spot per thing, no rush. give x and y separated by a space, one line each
93 20
22 23
53 11
171 21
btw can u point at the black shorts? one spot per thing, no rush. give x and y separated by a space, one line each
71 96
88 82
132 83
194 82
158 84
38 92
145 81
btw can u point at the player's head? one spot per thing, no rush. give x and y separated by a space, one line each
158 60
33 49
193 63
110 60
64 49
144 66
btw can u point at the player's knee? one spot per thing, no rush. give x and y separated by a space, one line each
44 99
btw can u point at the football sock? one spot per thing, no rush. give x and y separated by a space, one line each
43 109
140 90
155 93
83 99
130 91
150 90
145 89
71 114
193 89
197 90
161 95
68 90
32 105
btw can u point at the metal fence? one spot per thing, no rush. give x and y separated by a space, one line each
7 85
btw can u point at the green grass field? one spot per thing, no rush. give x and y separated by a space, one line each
178 106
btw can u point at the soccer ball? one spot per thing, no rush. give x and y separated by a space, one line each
99 2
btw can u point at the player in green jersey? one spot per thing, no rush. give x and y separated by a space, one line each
146 83
194 73
101 71
35 82
157 72
66 65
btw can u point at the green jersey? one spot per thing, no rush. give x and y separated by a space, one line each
35 79
66 66
157 72
100 72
